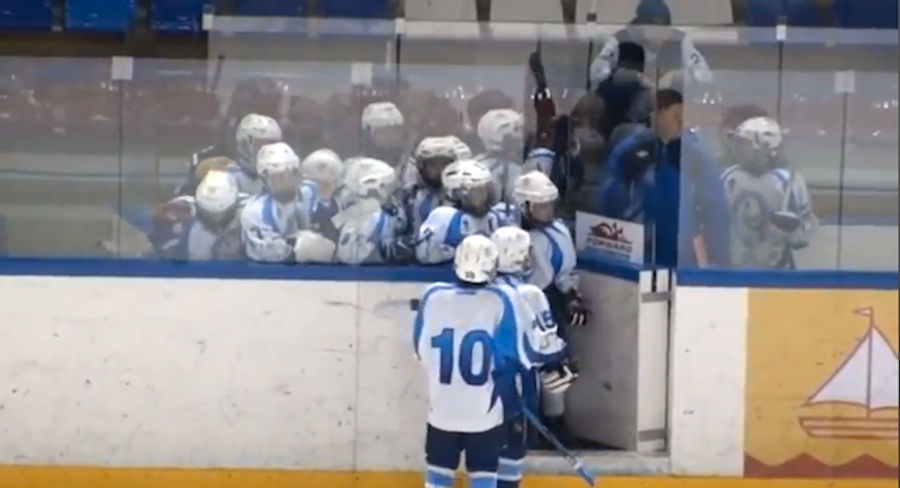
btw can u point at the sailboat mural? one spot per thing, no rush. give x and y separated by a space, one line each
866 379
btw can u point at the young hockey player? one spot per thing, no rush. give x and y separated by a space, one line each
771 213
369 232
501 134
431 158
469 187
253 132
201 227
323 172
555 376
271 220
554 265
467 334
384 135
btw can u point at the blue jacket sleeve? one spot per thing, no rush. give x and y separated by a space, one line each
712 208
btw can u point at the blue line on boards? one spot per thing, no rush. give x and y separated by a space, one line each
812 279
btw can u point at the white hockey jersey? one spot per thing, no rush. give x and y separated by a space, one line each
420 203
461 335
366 230
189 238
267 227
550 347
554 257
446 227
755 241
247 184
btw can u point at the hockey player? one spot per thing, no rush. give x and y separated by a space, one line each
771 213
253 132
369 232
468 185
556 375
554 249
383 133
204 226
466 335
271 220
432 157
323 172
501 134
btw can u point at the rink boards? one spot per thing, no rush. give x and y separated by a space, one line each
304 381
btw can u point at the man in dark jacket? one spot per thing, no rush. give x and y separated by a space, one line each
677 194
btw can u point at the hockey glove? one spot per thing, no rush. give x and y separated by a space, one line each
786 221
558 378
577 310
401 250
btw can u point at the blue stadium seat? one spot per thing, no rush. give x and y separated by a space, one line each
176 15
285 8
866 14
764 13
26 14
99 15
356 9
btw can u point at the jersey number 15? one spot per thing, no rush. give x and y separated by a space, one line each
444 343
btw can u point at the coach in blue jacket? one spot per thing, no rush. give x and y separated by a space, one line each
671 183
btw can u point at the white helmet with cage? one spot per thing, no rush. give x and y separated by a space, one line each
763 132
217 194
501 129
379 115
323 165
435 147
469 184
476 260
279 166
253 132
754 143
536 196
370 178
514 248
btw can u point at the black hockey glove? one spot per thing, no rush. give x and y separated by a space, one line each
577 310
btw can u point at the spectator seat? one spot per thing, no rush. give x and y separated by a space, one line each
99 15
766 13
356 9
26 14
273 8
866 14
173 16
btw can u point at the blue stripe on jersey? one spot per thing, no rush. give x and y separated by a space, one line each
268 213
419 321
454 230
556 254
433 477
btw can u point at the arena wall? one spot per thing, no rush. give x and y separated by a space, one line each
119 381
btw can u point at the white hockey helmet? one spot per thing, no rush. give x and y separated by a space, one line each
370 178
435 147
217 194
465 174
763 133
463 151
323 165
476 260
499 129
534 187
514 248
253 132
381 114
279 167
312 247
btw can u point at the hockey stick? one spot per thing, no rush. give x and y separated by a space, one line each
577 464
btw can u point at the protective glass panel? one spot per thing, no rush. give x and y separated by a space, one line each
59 177
868 217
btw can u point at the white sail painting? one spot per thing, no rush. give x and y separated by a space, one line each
867 378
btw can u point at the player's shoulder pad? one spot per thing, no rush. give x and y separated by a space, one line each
442 214
730 171
531 292
561 227
437 286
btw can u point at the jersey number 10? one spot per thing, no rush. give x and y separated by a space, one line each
444 343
